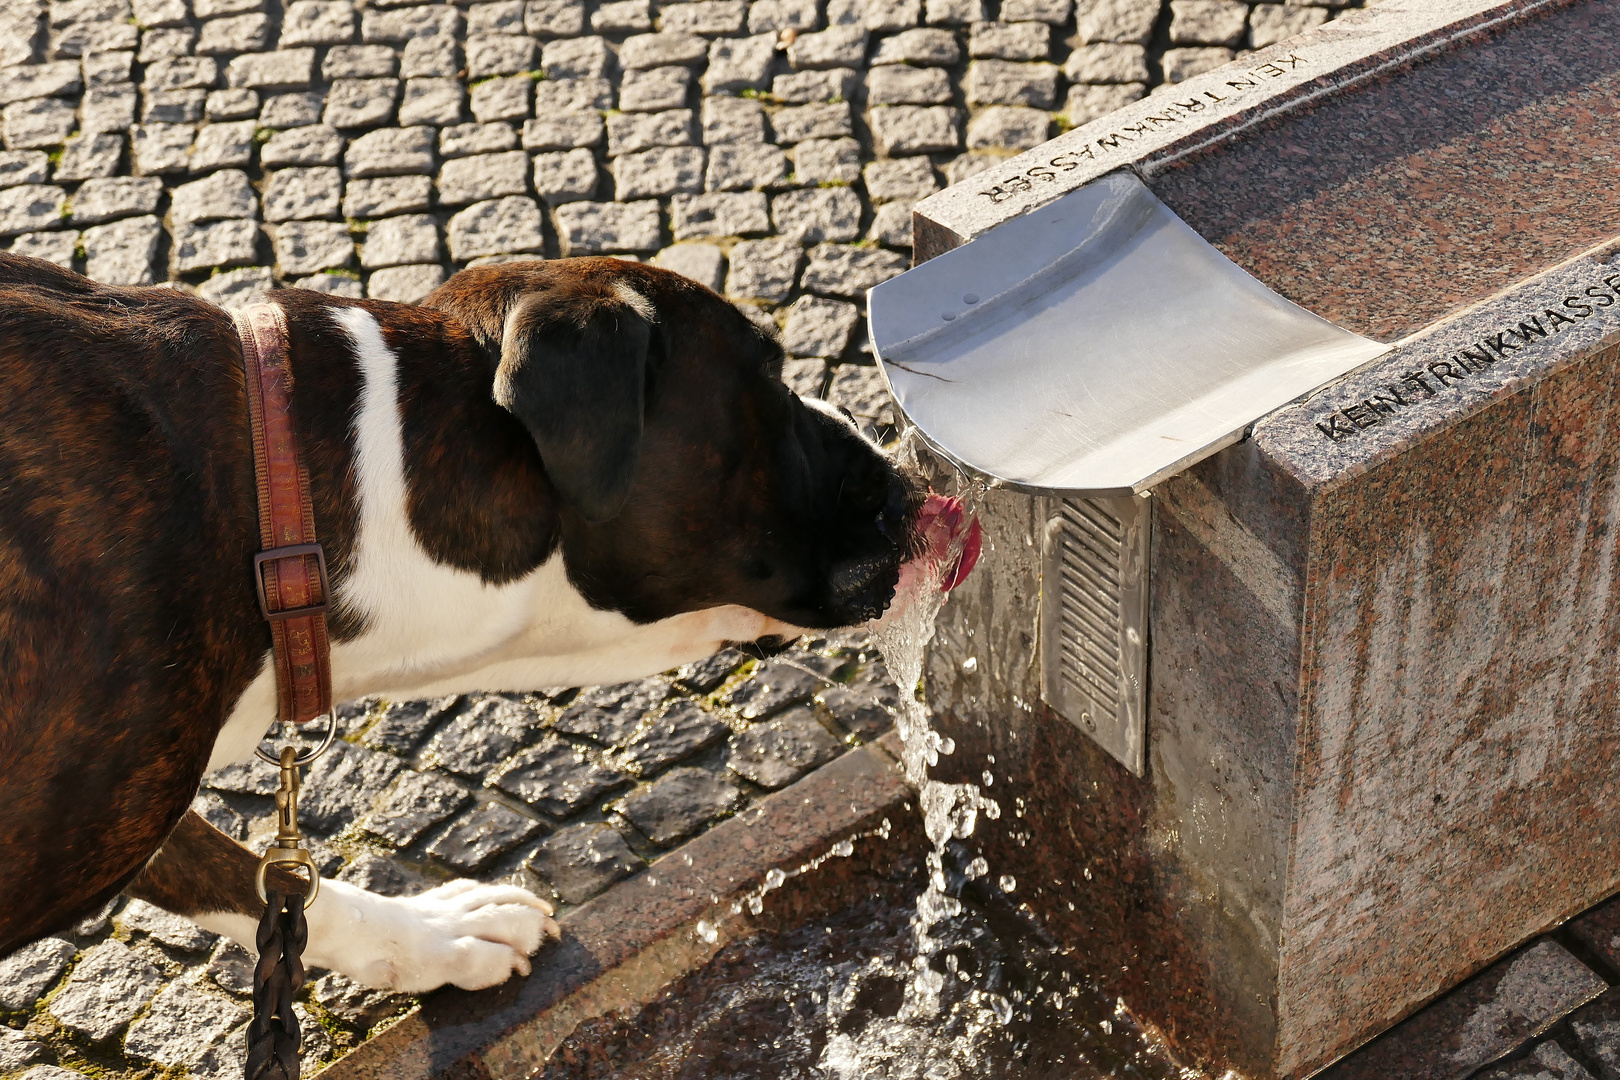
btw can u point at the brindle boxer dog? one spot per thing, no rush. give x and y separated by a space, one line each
549 473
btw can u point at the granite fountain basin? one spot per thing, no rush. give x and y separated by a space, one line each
1310 721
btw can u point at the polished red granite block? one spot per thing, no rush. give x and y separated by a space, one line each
1384 644
1460 715
1448 180
1460 704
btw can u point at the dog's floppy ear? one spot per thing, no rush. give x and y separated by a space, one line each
574 370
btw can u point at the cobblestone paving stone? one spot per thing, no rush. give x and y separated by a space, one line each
771 149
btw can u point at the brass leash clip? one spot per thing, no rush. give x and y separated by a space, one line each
288 848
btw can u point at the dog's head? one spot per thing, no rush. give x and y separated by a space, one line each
689 477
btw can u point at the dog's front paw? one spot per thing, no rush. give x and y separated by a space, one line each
464 933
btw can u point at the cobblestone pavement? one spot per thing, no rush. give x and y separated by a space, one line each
564 792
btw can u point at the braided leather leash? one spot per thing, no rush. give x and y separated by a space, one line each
273 1037
289 576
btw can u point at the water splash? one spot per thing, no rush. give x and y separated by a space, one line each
754 902
797 1005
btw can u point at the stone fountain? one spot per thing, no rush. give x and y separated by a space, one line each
1301 700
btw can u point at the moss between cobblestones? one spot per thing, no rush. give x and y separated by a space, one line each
73 1050
741 675
360 1033
342 1034
366 841
99 1071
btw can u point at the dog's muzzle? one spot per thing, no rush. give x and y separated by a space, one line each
862 587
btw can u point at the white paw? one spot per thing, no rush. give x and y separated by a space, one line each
464 933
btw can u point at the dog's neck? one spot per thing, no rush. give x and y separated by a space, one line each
410 396
448 575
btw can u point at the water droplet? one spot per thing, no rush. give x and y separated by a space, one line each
774 879
970 665
987 778
755 905
1008 883
707 932
948 316
971 298
977 868
1002 1008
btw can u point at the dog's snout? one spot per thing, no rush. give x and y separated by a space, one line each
852 577
879 503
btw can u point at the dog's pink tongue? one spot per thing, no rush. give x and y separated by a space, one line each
951 539
948 533
942 521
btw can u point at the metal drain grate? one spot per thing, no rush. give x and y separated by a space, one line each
1094 592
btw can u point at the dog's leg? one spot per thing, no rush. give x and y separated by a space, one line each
464 932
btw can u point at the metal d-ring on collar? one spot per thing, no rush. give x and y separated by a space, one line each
307 756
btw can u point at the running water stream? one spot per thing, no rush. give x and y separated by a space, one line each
907 1044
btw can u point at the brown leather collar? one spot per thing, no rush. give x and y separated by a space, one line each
289 573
